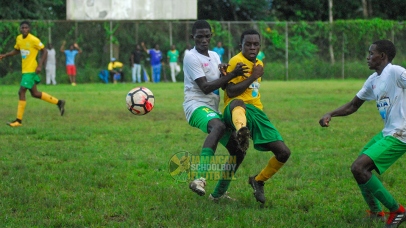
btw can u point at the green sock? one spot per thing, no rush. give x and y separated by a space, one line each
376 188
205 156
221 188
370 199
223 184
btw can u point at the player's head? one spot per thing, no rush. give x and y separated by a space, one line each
200 24
250 44
387 47
25 28
201 34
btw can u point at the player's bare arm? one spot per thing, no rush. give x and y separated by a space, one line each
11 53
208 87
233 90
44 55
345 110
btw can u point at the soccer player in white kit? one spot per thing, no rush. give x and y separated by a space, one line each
387 86
202 82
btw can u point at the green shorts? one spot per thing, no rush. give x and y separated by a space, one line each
29 80
201 117
262 130
384 151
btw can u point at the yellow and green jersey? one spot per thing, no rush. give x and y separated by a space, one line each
28 47
115 65
251 95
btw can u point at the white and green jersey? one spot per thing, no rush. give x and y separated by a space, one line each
389 91
196 65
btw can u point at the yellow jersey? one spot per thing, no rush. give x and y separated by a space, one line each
251 95
115 65
28 47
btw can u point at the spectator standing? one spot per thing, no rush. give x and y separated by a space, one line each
50 66
135 59
155 60
219 50
70 55
173 59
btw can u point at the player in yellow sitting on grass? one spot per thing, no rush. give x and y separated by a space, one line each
243 112
29 45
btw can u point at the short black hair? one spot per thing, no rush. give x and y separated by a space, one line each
387 47
249 32
25 23
200 24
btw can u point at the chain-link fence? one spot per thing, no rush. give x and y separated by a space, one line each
293 50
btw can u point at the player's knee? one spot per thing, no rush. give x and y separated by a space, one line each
356 168
216 125
237 102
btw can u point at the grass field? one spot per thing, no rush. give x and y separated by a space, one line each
101 166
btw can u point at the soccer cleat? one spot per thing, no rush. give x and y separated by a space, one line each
376 216
224 196
198 186
396 217
258 187
243 138
61 107
15 123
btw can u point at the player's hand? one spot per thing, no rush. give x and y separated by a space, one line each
38 70
240 69
325 120
257 71
223 68
2 56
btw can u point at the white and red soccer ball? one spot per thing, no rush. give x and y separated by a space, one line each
140 101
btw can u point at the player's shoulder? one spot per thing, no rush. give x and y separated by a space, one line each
32 37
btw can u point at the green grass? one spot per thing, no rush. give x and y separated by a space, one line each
101 166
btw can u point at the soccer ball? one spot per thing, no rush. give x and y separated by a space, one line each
140 101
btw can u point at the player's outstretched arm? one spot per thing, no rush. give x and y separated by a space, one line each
345 110
11 53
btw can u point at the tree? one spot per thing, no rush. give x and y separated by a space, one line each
33 10
235 10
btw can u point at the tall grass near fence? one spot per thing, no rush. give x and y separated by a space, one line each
101 166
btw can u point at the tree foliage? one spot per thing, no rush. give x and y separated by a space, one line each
33 10
233 10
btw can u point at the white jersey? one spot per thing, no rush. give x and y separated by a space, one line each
389 92
196 65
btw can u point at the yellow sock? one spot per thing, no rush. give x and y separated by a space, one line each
272 167
48 98
20 109
238 117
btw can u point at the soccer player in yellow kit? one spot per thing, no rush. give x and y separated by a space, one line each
28 46
244 110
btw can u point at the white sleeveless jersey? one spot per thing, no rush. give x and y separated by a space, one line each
388 90
196 65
